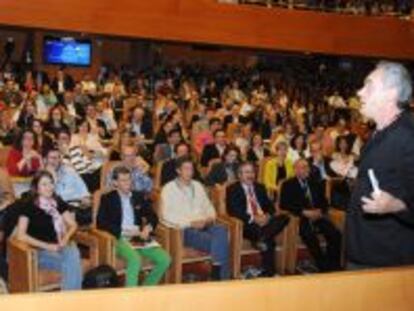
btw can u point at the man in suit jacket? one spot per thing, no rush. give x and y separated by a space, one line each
305 198
319 164
128 217
247 200
62 82
140 123
215 150
234 117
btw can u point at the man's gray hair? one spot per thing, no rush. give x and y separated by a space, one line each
397 76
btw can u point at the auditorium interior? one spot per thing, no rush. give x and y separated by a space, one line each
206 154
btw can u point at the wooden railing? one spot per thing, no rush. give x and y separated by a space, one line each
371 290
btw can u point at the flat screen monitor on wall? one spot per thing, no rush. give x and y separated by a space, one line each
67 51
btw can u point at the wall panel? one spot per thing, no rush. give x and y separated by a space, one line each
210 22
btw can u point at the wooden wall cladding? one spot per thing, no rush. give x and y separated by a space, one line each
207 21
356 291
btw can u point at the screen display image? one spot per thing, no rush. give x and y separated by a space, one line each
67 52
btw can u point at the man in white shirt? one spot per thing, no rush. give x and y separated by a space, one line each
184 204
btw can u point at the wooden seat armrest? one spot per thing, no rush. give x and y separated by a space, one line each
106 247
162 234
330 183
176 248
91 242
235 228
337 216
176 240
23 271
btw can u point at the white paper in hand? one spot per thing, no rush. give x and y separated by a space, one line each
374 181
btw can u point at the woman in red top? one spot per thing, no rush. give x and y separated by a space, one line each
23 159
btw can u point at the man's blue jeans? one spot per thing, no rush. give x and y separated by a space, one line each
213 240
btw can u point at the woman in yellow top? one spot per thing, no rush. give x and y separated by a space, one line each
278 168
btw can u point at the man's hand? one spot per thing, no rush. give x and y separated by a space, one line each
63 243
210 221
54 248
131 232
86 201
261 220
382 202
312 214
145 232
198 224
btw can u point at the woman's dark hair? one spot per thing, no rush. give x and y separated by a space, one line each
295 138
79 123
57 107
18 144
229 148
338 141
39 121
254 135
36 179
182 143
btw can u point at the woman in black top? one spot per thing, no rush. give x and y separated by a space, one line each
27 114
55 121
46 223
44 140
257 151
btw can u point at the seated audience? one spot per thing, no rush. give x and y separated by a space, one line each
55 121
46 99
140 124
89 142
278 168
6 198
25 116
24 160
214 150
343 165
106 115
128 216
319 164
257 151
46 224
69 186
185 204
141 181
44 140
343 161
234 117
247 200
80 160
166 151
298 149
225 169
204 132
305 198
168 169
